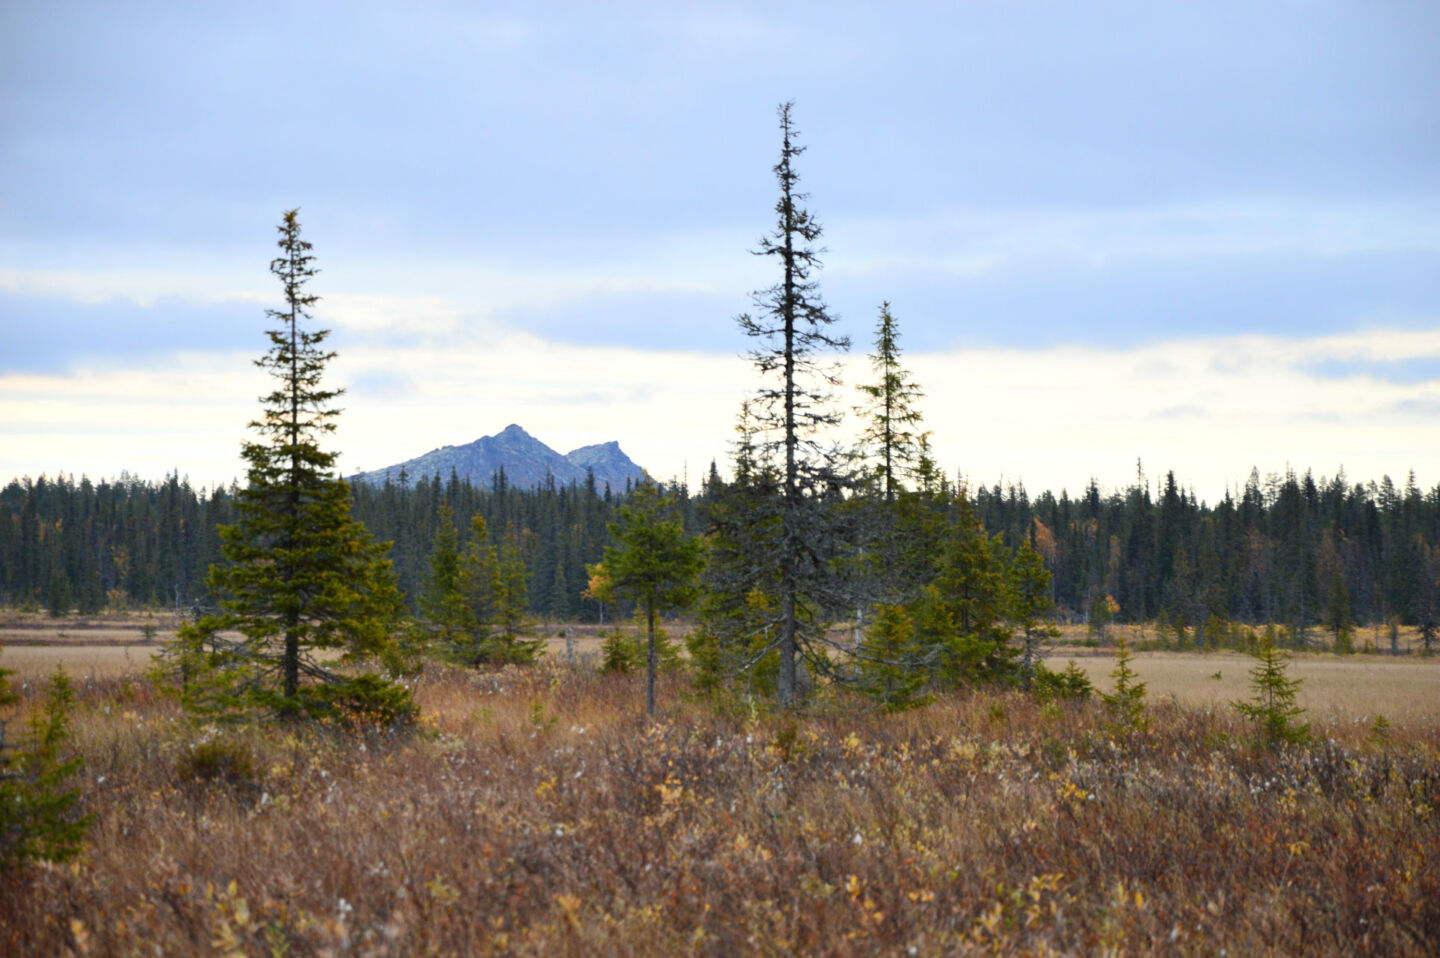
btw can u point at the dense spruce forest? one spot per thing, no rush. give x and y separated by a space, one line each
1286 549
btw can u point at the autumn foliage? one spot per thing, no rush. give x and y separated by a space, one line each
535 812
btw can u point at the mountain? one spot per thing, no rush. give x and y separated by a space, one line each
525 459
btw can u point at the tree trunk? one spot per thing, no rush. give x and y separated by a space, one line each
292 659
785 687
1029 667
651 659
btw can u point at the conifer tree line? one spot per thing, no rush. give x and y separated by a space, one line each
130 543
1287 549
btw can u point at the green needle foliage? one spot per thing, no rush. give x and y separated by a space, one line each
1126 704
473 604
303 576
461 592
655 564
1272 705
39 819
504 573
1030 590
734 647
891 435
887 656
973 584
443 602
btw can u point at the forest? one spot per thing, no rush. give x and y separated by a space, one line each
1285 549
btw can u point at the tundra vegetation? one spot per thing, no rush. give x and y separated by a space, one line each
534 810
862 750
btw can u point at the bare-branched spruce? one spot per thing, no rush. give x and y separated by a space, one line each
785 576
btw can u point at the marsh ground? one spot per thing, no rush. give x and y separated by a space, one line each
1356 686
536 812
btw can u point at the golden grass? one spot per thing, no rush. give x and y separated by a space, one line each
540 814
1406 688
33 662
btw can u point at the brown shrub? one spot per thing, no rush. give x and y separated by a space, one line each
544 815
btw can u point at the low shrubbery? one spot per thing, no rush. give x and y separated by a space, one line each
541 814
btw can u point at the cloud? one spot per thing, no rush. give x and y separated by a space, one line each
451 128
1209 235
381 384
1050 417
1417 369
664 319
1028 300
44 334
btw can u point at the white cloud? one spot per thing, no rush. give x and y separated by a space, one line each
1209 409
970 242
143 288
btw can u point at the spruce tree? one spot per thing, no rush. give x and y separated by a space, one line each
887 660
736 630
39 814
302 575
1126 704
1337 613
482 587
891 434
514 639
974 585
1272 706
654 563
1030 587
790 410
448 615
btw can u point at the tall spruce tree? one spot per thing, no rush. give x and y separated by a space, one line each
790 410
892 448
302 575
891 433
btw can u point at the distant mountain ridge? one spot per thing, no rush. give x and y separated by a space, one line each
526 461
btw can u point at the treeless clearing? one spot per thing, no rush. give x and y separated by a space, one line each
1355 686
82 661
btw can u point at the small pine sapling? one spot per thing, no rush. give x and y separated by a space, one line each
1272 706
1126 705
38 815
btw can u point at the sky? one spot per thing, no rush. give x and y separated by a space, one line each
1201 236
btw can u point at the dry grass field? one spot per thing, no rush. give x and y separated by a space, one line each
535 812
1360 687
